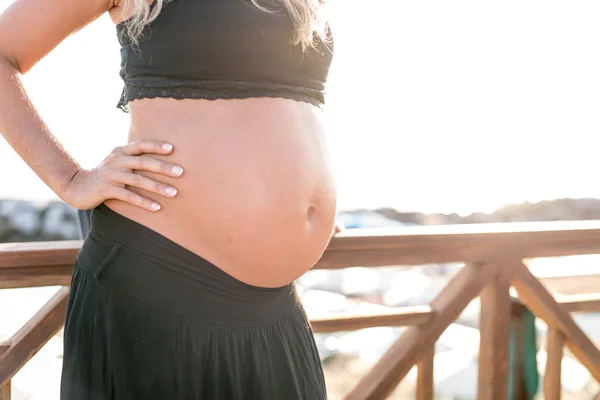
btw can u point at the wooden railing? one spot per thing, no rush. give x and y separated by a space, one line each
494 257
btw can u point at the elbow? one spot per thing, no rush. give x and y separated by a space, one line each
10 63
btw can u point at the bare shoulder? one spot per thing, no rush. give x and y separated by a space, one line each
30 29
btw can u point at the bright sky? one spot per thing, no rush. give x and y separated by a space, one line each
432 105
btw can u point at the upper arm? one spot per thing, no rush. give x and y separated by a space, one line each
30 29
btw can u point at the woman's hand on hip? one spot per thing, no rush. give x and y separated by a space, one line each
111 179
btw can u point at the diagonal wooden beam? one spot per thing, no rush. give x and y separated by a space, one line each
494 328
535 296
33 335
414 344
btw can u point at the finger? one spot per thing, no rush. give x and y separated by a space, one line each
146 146
128 196
338 227
144 163
142 182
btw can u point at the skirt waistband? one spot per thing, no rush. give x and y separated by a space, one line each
130 257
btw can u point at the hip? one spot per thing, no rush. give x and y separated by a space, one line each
148 319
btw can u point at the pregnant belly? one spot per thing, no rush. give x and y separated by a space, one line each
256 197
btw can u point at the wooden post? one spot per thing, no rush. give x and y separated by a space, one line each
518 390
5 391
552 376
494 328
425 383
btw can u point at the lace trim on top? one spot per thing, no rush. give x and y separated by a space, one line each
213 90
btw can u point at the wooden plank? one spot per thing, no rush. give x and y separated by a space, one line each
417 341
4 346
425 382
552 376
494 327
456 243
574 303
403 316
397 246
5 391
37 254
533 294
22 277
31 337
580 302
571 285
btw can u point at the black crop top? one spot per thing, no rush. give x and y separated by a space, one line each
221 49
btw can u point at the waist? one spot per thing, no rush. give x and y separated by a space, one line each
257 197
143 264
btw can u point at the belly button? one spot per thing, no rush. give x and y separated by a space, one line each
310 215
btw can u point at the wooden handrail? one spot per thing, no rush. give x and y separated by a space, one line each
403 316
580 302
460 243
382 247
36 254
403 245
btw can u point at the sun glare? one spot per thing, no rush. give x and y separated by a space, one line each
433 106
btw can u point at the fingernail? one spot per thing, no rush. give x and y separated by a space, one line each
155 206
167 147
171 191
177 170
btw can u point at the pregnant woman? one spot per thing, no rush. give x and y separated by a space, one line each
221 197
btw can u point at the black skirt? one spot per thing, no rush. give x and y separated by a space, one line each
148 319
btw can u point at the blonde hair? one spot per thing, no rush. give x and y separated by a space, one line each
306 16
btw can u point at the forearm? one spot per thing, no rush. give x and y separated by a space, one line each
26 132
